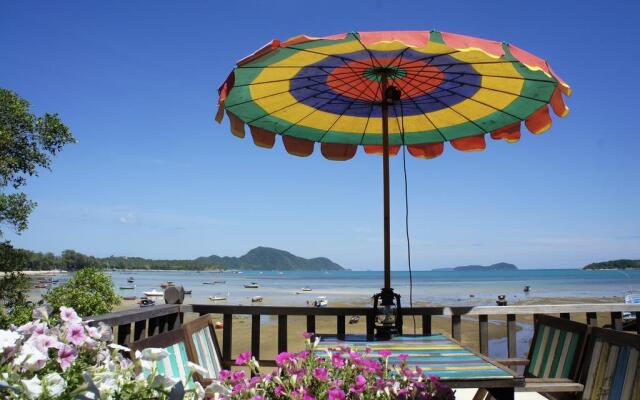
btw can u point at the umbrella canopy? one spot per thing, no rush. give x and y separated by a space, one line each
452 88
384 90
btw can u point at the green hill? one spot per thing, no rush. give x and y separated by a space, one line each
266 258
614 264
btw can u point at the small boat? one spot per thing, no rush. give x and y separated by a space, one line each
218 325
146 302
208 283
306 289
166 284
130 280
127 287
217 298
354 320
153 293
527 289
188 291
219 281
41 286
320 302
256 299
251 285
129 297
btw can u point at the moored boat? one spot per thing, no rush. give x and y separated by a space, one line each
127 287
146 302
130 280
166 284
306 289
256 299
217 298
251 285
354 320
321 302
153 293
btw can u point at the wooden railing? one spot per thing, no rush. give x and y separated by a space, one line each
136 324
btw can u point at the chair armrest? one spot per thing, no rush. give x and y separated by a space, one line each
550 385
513 361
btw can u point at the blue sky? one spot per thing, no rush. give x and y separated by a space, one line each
153 175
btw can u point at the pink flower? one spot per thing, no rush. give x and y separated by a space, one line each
359 385
238 375
224 374
368 349
403 357
284 358
66 356
257 398
243 358
68 314
337 360
279 390
75 334
321 374
307 335
385 353
93 332
44 342
336 394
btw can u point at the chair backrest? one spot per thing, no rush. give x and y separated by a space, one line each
556 348
203 346
611 368
175 365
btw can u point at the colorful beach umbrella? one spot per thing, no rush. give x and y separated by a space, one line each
384 90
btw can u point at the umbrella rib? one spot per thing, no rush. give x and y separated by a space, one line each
315 109
444 138
279 93
295 78
339 116
357 75
373 59
343 58
476 100
451 108
290 105
366 125
480 87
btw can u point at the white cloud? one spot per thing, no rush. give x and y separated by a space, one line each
129 219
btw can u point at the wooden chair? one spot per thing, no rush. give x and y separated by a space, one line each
552 366
611 370
175 366
203 348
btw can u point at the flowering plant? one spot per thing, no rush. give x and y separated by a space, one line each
338 374
72 360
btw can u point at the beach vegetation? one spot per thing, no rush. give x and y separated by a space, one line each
90 292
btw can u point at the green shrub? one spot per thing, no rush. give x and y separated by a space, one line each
90 292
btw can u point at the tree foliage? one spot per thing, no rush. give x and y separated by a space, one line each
27 143
90 292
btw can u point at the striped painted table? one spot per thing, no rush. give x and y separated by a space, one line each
437 355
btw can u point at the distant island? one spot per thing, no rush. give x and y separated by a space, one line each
260 258
614 264
502 266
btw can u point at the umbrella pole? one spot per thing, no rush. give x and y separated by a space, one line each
385 174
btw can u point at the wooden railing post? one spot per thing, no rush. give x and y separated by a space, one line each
511 335
483 333
255 336
340 322
282 333
592 319
426 324
311 323
124 334
456 331
227 336
616 320
139 330
371 325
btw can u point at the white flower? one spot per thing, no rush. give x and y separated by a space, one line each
106 383
55 384
68 314
193 367
164 382
119 347
8 339
30 358
215 389
199 391
41 312
154 354
32 387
